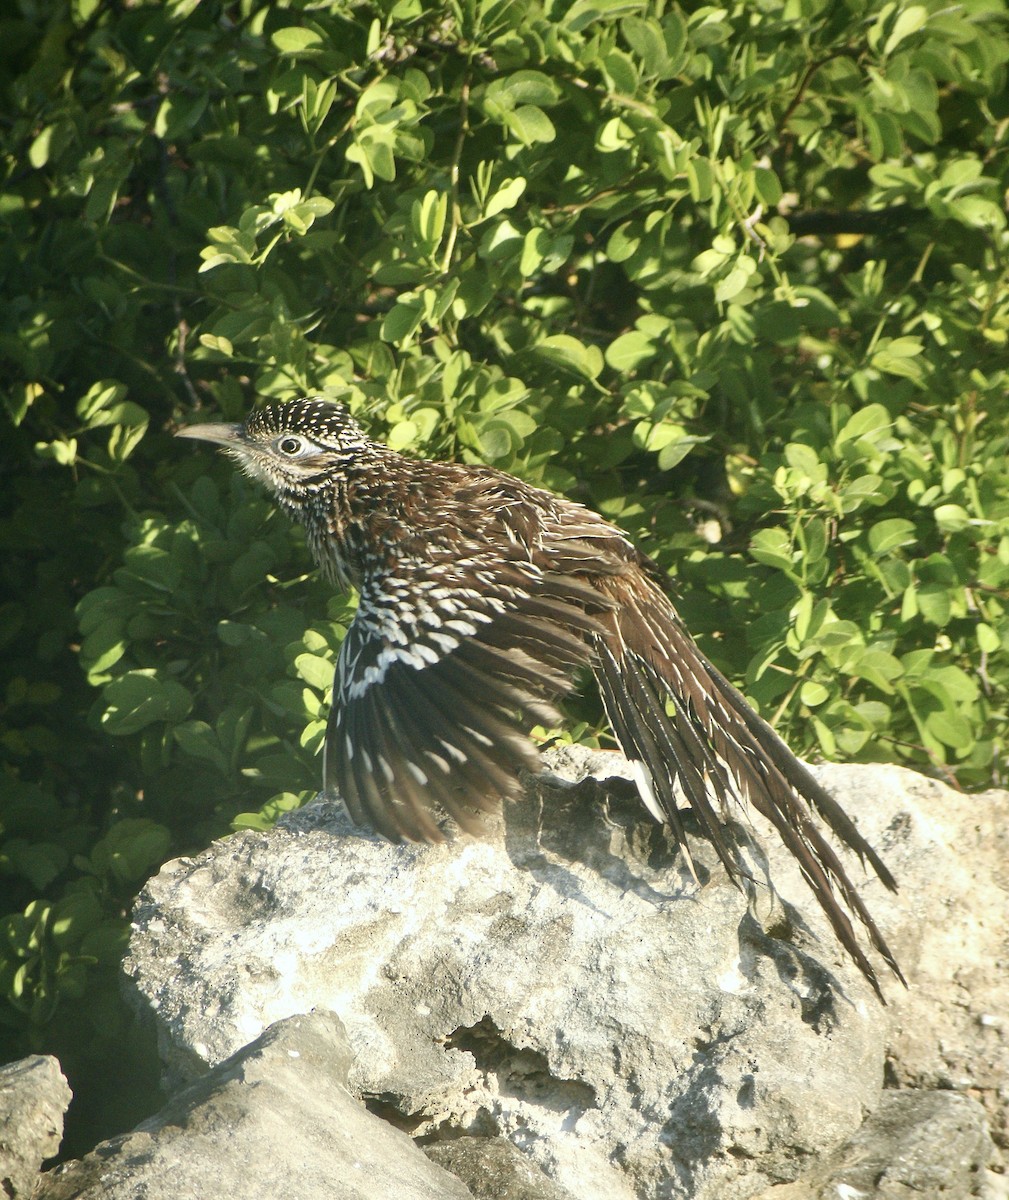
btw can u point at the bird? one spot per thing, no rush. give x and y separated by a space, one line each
480 598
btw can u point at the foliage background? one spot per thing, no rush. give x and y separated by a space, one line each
735 275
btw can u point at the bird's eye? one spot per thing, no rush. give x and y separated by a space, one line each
290 445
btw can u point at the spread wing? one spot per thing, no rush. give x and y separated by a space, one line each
436 683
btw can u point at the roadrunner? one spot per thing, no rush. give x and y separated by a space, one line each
480 597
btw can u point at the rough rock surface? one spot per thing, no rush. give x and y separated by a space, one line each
565 984
274 1122
33 1098
948 925
493 1169
915 1144
562 983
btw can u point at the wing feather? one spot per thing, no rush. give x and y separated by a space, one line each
431 704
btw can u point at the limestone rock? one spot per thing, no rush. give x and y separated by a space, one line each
493 1169
562 982
915 1144
275 1122
33 1098
949 926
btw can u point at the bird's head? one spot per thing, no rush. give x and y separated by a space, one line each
290 447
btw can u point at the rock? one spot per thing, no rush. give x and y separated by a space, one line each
562 983
493 1169
915 1144
33 1098
274 1122
949 926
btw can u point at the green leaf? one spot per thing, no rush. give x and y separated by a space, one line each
623 244
952 518
403 319
38 151
644 35
866 489
530 125
233 633
316 671
301 217
535 246
909 21
496 442
886 536
507 196
570 354
130 849
768 186
899 356
729 287
107 943
878 667
804 459
522 88
138 698
402 434
103 647
428 216
961 687
583 13
177 115
295 39
987 639
951 729
38 862
674 452
701 179
773 548
124 439
976 212
934 603
630 351
198 740
272 810
870 422
101 398
814 536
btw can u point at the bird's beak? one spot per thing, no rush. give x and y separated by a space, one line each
231 436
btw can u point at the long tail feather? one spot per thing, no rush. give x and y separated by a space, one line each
694 735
